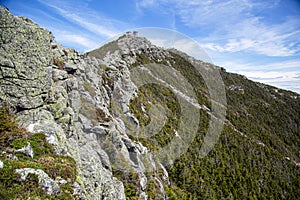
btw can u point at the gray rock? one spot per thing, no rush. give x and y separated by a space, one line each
27 150
72 100
26 54
48 185
71 68
59 74
6 63
87 124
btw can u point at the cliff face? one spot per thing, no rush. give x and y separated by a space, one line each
95 107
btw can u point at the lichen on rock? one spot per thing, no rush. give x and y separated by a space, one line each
55 90
49 186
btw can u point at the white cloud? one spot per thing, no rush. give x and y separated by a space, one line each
195 12
86 18
272 76
213 12
95 28
269 40
233 45
254 36
82 42
284 80
234 25
260 45
279 66
146 3
284 74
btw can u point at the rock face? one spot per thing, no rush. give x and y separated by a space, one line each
67 96
23 47
58 92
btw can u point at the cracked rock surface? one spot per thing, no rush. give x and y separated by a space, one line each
67 96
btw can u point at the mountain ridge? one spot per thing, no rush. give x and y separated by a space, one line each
78 102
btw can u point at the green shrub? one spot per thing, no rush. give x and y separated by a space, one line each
13 137
239 166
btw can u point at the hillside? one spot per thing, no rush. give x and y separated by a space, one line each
139 122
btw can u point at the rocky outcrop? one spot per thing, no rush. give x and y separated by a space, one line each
24 46
58 92
68 97
48 185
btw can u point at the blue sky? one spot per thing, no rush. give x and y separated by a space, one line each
256 38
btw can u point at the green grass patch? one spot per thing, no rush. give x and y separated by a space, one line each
12 137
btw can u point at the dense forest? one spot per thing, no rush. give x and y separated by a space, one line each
256 156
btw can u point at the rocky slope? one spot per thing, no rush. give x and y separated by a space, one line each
66 96
95 107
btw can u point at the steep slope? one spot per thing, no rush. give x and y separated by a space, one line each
57 92
257 155
123 113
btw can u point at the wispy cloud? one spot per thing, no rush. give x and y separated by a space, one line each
82 41
284 74
234 25
249 33
145 3
85 18
253 35
272 76
95 28
196 13
212 12
285 80
279 66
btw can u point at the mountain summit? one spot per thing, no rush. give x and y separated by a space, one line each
131 120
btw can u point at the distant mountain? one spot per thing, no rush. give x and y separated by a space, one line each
137 122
